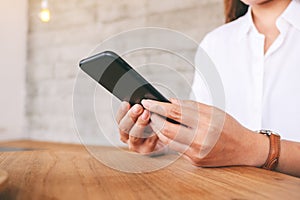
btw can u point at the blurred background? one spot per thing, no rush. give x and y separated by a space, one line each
43 41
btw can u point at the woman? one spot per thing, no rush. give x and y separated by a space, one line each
256 57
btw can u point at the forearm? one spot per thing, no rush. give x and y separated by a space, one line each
289 160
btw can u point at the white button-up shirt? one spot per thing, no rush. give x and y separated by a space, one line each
262 91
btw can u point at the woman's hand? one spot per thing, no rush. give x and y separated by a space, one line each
135 130
208 137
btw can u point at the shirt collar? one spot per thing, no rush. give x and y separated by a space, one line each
247 24
291 15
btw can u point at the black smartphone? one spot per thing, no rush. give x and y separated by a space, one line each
120 79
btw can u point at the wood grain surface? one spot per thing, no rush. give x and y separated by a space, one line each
61 171
3 179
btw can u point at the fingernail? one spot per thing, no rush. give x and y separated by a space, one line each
146 103
145 115
136 109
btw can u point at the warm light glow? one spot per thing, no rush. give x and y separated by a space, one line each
45 15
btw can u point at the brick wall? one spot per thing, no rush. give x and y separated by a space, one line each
77 26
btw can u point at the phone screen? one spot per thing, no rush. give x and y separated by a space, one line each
119 78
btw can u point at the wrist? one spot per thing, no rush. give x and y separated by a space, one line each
258 149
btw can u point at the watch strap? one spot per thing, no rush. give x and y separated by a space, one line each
274 152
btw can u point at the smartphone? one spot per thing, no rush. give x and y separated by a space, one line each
120 79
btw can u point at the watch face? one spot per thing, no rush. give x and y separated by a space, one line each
266 132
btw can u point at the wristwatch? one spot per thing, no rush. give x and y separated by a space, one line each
274 152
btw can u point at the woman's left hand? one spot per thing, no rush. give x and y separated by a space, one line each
207 136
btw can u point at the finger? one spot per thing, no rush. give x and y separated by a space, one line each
159 147
173 131
139 128
128 121
210 116
178 113
123 109
149 146
130 118
136 134
185 150
171 144
144 145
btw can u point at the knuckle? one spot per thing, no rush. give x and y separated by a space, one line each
141 123
123 129
195 146
121 112
175 113
157 108
152 140
132 116
165 140
135 140
124 139
166 130
133 147
118 116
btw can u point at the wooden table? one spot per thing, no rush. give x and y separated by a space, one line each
60 171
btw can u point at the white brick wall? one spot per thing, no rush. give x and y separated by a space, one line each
77 26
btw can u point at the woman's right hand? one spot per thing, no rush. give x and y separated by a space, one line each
135 131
